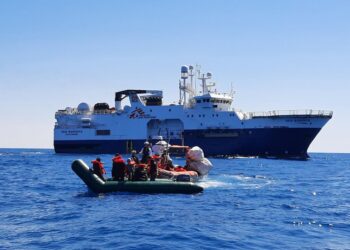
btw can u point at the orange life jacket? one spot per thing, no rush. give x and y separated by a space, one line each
100 166
118 159
180 169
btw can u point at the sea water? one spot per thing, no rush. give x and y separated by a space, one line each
247 203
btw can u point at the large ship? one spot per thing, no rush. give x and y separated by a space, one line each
203 117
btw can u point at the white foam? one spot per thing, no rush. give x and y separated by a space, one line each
214 184
32 153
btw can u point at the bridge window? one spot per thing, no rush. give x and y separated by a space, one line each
103 132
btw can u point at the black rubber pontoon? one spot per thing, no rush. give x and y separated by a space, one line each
159 186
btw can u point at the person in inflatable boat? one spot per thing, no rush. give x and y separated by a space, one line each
134 157
98 169
153 168
166 162
130 167
118 168
146 152
140 173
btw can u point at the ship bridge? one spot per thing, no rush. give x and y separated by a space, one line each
206 98
216 101
139 96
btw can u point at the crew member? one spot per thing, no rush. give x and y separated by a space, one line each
146 152
98 168
118 169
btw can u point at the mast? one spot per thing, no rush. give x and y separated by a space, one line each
204 78
184 76
186 89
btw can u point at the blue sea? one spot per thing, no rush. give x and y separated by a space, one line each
247 203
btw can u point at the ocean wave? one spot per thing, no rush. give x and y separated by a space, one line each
32 153
214 184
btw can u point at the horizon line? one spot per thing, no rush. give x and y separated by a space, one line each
1 148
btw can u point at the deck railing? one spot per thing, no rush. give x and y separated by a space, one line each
275 113
76 112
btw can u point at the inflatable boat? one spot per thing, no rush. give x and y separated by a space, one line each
97 185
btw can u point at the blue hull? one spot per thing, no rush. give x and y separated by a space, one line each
266 142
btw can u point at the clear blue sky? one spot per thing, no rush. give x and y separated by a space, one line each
278 54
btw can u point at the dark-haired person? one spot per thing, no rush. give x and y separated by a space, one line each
118 168
153 168
140 173
98 169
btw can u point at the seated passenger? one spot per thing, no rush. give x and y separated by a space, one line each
140 173
169 166
118 169
166 162
98 169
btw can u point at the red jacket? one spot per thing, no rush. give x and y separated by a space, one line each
118 159
97 165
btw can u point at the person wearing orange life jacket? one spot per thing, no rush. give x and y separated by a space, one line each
98 169
118 169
